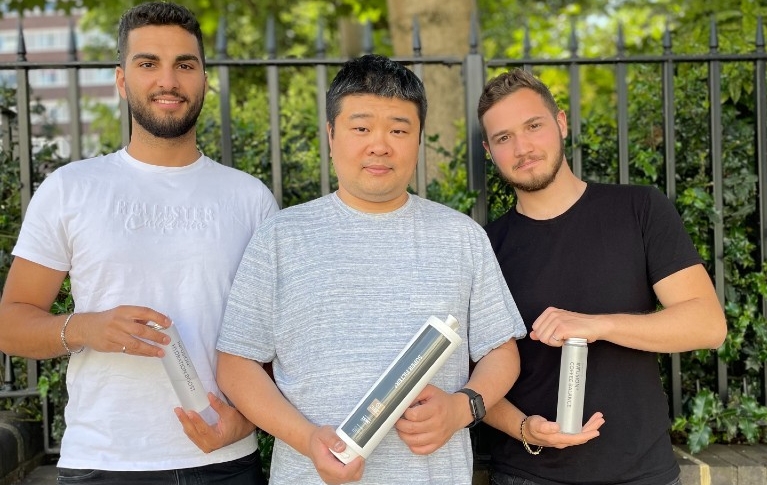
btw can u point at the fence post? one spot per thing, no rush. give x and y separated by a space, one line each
420 172
25 125
576 156
715 130
73 89
474 81
760 93
273 86
669 156
623 117
322 115
224 100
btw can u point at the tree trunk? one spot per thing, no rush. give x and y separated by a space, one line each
444 26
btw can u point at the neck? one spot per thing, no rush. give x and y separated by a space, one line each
166 152
563 192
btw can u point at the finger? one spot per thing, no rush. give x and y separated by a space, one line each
138 347
147 332
142 314
218 404
330 439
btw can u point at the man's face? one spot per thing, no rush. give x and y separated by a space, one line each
163 80
525 140
375 150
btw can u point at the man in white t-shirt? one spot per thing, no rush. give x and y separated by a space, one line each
151 233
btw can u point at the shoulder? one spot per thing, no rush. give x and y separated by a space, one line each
233 174
304 217
619 197
623 191
443 212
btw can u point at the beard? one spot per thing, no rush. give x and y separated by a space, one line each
165 126
542 181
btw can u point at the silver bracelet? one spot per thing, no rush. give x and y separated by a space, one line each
64 339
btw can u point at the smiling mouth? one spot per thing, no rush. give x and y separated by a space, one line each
526 163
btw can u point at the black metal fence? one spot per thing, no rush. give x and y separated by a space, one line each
473 69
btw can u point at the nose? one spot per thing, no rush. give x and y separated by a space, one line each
379 145
522 146
168 78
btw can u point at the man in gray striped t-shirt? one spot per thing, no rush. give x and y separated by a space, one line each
330 291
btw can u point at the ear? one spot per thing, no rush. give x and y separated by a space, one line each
329 129
120 81
487 149
562 122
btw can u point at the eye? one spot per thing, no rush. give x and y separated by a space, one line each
502 139
399 132
360 129
535 126
146 64
185 67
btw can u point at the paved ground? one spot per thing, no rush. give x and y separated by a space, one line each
717 465
43 475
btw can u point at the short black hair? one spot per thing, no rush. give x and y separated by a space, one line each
379 76
156 13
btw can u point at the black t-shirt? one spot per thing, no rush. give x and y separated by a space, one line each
602 256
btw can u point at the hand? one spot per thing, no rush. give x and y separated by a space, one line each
231 426
432 420
554 325
122 329
539 431
331 469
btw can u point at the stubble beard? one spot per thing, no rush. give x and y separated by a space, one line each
543 181
166 127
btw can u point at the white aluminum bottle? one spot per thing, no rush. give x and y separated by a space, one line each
397 387
572 385
182 374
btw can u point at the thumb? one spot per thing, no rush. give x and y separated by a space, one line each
330 439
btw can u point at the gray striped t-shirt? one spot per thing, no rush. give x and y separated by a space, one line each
330 296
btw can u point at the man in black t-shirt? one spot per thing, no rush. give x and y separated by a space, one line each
590 261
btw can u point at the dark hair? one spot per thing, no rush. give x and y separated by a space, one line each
377 75
508 83
156 13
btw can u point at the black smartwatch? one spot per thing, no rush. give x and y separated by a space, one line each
476 404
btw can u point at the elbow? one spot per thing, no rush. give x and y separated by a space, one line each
721 333
222 373
718 331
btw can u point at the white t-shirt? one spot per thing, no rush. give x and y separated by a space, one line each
331 295
169 238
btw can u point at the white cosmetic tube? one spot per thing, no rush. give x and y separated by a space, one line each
397 387
183 376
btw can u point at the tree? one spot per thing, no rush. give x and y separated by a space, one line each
444 27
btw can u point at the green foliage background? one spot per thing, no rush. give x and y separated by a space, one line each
706 419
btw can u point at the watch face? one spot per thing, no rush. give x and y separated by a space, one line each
479 408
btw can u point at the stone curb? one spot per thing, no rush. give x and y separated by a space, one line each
21 447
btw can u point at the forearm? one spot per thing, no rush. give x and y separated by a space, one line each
28 331
505 417
683 327
495 373
691 318
255 395
27 328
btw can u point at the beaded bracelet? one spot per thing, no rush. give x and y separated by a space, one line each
524 441
64 339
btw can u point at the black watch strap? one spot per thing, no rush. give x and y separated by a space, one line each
476 405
